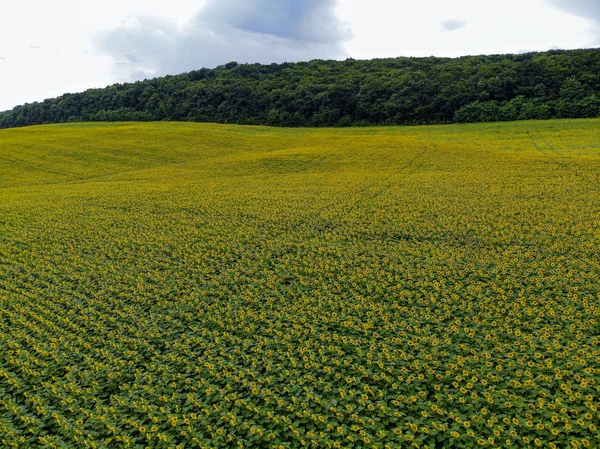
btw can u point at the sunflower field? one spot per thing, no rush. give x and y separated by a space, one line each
174 285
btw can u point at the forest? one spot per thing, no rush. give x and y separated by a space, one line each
319 93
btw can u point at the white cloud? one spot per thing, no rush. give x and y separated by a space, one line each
262 31
589 9
453 25
586 9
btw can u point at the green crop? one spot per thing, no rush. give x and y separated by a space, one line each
182 285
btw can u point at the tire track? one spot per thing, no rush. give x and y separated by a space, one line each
547 153
398 177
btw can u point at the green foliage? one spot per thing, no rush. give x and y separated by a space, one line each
488 111
175 285
555 84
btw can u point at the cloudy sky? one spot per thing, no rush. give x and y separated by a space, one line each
51 47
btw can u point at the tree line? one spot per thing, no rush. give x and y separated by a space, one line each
397 91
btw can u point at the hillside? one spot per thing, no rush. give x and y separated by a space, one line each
555 84
223 286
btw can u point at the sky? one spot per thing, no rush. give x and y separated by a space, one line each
48 48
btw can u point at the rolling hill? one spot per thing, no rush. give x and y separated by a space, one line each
216 286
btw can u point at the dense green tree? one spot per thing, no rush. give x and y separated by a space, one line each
344 93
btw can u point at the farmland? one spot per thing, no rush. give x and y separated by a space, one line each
177 285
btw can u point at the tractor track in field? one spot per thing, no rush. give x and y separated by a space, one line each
394 179
548 150
404 173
